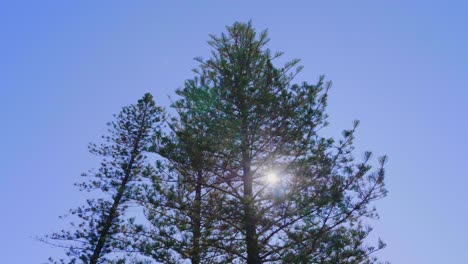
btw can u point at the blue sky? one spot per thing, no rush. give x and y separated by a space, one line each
401 67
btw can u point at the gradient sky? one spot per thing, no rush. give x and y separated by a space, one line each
401 67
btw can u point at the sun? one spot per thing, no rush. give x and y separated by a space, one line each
272 177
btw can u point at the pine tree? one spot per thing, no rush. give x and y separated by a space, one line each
289 194
179 202
101 222
243 175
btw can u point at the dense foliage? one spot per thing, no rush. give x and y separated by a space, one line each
240 175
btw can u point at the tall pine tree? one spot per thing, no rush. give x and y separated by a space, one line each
101 222
289 194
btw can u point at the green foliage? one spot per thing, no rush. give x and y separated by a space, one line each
210 196
100 224
256 120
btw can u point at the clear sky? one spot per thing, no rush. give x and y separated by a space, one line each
401 67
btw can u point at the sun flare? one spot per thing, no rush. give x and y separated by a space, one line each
272 177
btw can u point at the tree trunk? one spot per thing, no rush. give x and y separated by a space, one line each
110 218
249 210
196 218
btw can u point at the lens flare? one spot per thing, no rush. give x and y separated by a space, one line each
272 177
